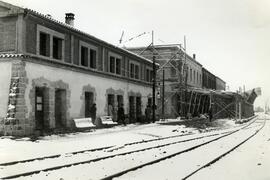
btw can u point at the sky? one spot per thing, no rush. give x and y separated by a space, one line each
230 38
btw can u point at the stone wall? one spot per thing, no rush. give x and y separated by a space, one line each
15 122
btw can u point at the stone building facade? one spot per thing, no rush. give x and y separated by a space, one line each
52 73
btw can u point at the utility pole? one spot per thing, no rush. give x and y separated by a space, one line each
163 93
240 110
185 81
154 82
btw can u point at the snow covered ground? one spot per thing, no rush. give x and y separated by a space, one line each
249 162
11 149
118 136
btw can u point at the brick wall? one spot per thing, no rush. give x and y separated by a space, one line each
7 34
67 48
31 35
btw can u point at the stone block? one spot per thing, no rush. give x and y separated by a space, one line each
13 121
20 115
7 123
18 133
20 108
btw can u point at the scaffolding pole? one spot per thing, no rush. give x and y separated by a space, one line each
198 108
194 103
190 101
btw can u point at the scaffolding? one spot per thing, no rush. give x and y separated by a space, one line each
177 99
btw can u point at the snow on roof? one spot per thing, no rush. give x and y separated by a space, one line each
13 55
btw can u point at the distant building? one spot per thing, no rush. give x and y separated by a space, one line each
52 73
178 67
170 57
220 84
209 80
190 89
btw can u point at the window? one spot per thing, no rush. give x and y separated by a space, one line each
88 55
190 74
151 76
93 59
112 64
115 64
118 66
57 48
50 43
148 75
149 101
137 72
132 70
197 77
194 77
187 74
84 56
44 44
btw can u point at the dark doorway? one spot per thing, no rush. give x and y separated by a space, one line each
120 100
149 101
138 108
60 108
89 100
132 108
111 107
39 108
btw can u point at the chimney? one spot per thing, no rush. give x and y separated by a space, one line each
70 19
194 56
48 16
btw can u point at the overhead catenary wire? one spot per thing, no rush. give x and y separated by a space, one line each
132 38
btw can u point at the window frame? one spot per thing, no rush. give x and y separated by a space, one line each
117 63
190 74
112 64
89 60
51 33
149 74
134 75
84 60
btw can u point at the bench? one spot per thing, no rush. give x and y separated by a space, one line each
84 123
107 120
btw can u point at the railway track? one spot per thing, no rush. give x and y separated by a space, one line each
125 150
186 171
225 153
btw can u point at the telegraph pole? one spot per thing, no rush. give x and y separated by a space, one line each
185 80
154 82
163 93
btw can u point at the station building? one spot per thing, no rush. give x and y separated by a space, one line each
52 73
177 67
